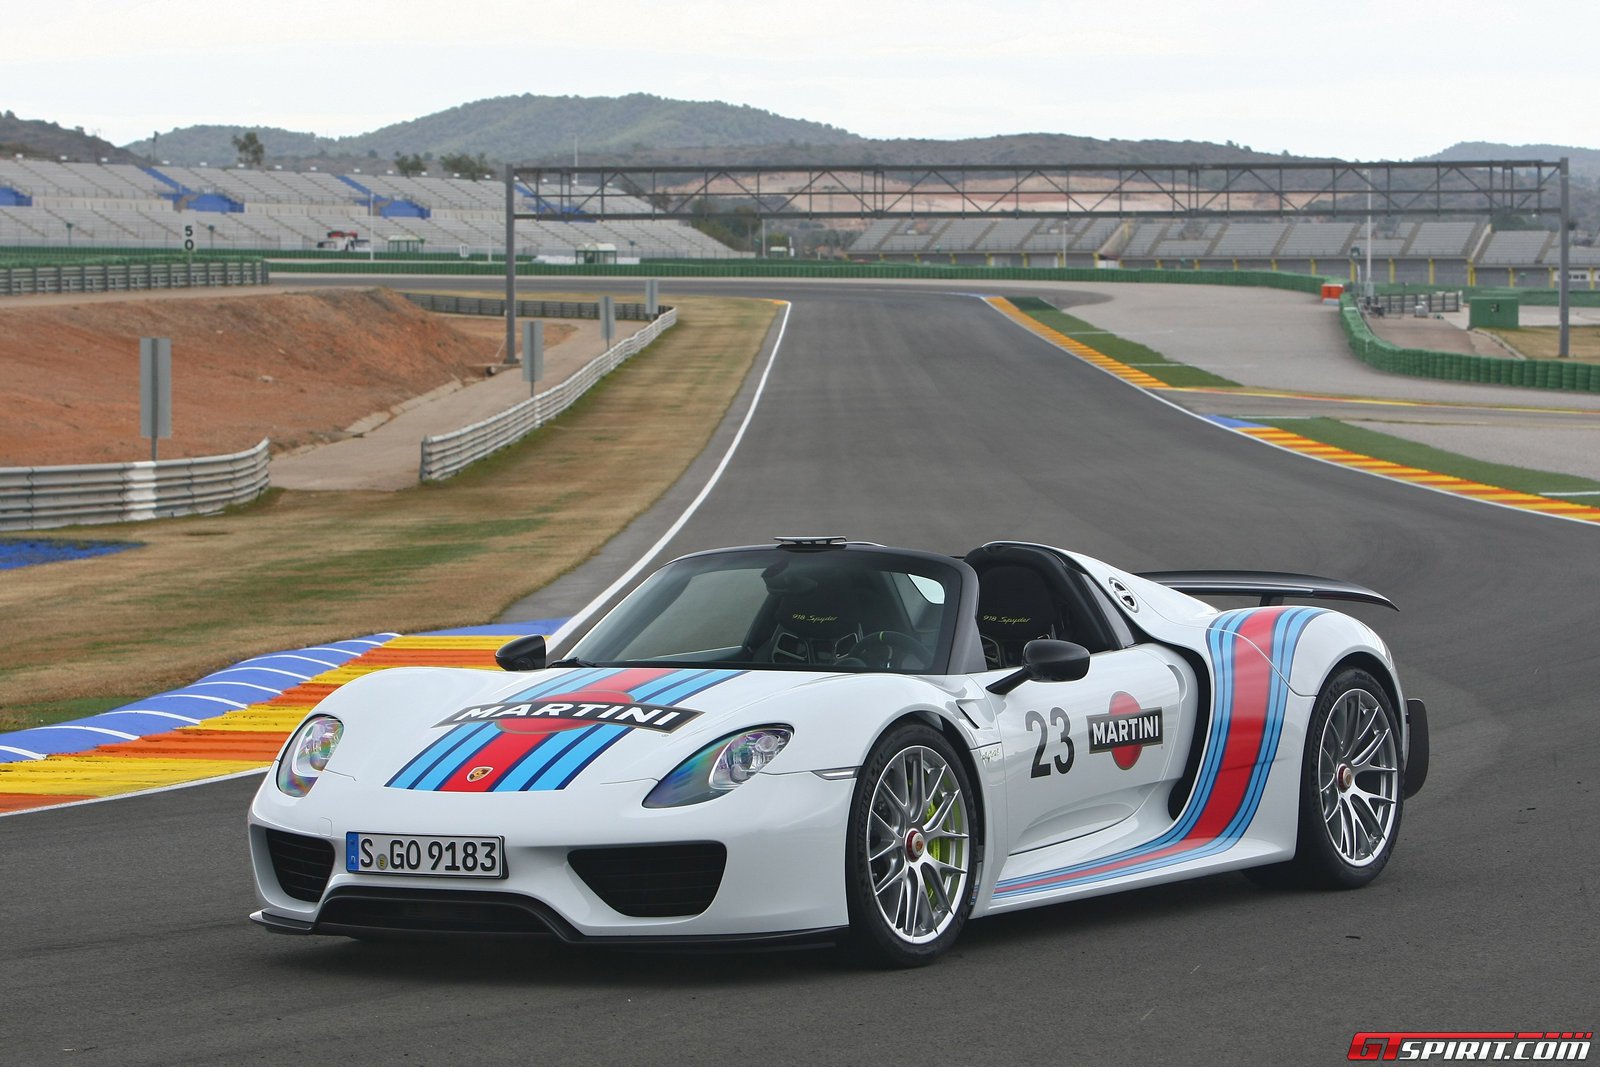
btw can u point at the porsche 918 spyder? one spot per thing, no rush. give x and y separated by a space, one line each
832 741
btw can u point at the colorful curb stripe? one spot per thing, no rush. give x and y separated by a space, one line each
1295 443
1247 715
20 553
483 757
1077 348
1415 475
228 735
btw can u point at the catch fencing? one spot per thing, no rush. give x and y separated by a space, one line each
19 280
447 454
38 498
1407 303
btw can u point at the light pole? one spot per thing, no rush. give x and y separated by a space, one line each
1369 288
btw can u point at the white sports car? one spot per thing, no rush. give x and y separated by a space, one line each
820 740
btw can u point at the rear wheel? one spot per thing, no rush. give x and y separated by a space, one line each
910 857
1350 788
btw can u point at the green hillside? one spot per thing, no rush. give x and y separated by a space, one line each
47 140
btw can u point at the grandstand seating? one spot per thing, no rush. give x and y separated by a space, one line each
1250 240
1453 240
120 205
1516 247
1318 239
1007 235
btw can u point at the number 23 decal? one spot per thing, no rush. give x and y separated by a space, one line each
1058 721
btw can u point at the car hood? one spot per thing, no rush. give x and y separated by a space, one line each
459 730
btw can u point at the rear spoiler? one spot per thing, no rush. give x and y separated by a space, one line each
1271 586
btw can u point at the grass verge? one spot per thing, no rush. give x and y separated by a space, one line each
1398 450
1120 349
1544 342
300 568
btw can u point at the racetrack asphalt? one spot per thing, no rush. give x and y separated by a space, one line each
906 416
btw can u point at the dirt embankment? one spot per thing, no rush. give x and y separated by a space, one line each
297 368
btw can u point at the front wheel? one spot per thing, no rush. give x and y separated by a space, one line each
1350 788
910 860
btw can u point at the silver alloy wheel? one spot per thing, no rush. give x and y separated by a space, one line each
1358 777
917 844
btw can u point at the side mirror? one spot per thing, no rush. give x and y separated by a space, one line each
523 654
1046 661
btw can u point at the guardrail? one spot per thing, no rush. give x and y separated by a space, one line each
116 277
38 498
526 309
447 454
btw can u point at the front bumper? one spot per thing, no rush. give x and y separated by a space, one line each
783 878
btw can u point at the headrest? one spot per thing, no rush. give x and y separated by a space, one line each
825 611
1014 603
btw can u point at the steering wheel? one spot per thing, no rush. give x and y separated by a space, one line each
891 649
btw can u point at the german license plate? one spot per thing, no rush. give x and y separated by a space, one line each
453 857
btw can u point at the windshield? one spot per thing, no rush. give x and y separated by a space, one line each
836 610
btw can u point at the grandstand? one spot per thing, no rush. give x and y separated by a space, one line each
46 203
1436 253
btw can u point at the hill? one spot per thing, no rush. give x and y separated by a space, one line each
523 128
47 140
1583 163
642 129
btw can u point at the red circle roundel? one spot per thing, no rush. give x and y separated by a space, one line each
1125 756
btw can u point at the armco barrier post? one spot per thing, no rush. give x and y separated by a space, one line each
532 353
608 320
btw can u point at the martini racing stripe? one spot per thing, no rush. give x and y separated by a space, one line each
445 750
1248 711
566 764
547 754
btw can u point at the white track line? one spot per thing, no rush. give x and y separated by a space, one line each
139 793
632 572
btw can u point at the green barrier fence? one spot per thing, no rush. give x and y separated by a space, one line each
1460 367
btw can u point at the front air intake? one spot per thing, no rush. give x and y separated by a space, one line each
302 864
653 881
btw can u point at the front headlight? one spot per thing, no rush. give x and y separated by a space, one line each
308 753
720 767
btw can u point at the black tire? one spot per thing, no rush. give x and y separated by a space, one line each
930 903
1344 839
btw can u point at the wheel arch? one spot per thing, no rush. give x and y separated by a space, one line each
952 733
1366 661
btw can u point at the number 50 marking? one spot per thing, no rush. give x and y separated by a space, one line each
1060 721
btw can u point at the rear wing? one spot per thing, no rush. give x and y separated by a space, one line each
1272 587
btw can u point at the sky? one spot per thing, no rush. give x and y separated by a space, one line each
1358 79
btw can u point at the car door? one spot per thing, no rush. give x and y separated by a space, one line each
1083 755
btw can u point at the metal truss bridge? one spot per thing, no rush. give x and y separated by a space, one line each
1195 190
